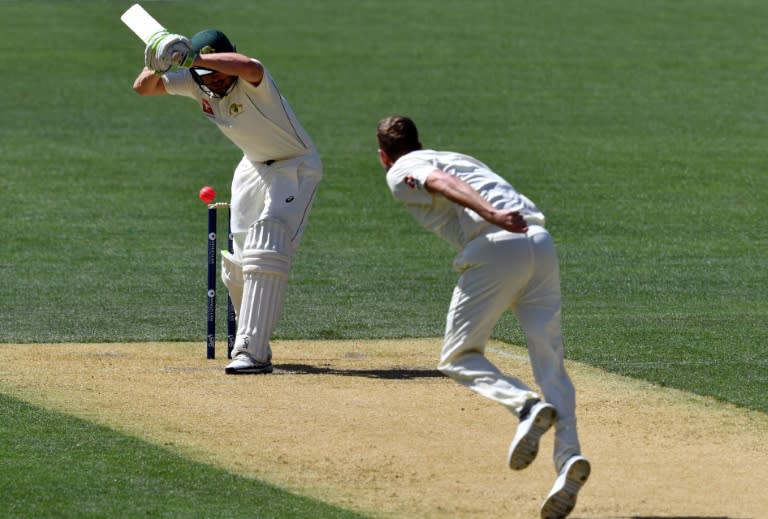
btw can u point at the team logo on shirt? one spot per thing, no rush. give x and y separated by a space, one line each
410 182
235 109
207 108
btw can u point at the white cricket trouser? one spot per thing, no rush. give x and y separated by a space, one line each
270 206
501 271
282 191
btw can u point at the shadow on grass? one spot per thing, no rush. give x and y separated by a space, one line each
391 373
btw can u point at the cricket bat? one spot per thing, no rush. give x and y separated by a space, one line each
141 22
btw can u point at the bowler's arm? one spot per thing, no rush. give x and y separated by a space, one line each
456 190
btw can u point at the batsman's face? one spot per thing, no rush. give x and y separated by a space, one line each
218 82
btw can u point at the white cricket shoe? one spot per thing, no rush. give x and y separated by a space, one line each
243 364
562 497
533 424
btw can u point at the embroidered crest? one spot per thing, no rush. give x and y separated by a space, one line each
235 109
411 182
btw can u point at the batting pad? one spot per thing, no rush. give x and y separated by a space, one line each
232 277
267 249
266 263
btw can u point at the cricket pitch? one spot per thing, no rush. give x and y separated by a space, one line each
371 426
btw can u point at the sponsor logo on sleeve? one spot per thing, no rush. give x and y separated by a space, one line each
207 108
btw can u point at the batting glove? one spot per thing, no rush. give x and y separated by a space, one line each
164 50
177 49
150 54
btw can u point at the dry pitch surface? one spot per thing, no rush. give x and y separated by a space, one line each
371 426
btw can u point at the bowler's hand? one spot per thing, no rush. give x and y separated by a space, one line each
511 221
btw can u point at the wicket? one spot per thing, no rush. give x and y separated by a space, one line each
212 284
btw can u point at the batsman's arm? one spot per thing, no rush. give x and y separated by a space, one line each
147 83
457 191
232 64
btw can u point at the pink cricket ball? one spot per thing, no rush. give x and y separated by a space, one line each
207 194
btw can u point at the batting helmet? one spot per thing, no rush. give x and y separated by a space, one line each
211 41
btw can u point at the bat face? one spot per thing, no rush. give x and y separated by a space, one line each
141 22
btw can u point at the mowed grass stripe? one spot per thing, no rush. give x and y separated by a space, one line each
54 465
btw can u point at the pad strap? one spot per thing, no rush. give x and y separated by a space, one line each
267 249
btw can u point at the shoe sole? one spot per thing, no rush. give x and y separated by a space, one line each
562 501
528 447
255 370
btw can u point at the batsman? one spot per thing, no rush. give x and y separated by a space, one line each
273 186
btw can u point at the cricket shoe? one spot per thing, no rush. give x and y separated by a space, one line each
535 419
243 364
562 497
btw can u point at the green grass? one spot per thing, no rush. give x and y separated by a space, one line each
638 127
57 466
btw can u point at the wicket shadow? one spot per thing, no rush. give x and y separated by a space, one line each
390 374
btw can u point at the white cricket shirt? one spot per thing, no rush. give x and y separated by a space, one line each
456 224
257 119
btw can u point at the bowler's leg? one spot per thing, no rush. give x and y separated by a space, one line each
538 312
484 291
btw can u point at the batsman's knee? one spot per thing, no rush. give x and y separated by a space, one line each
268 249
